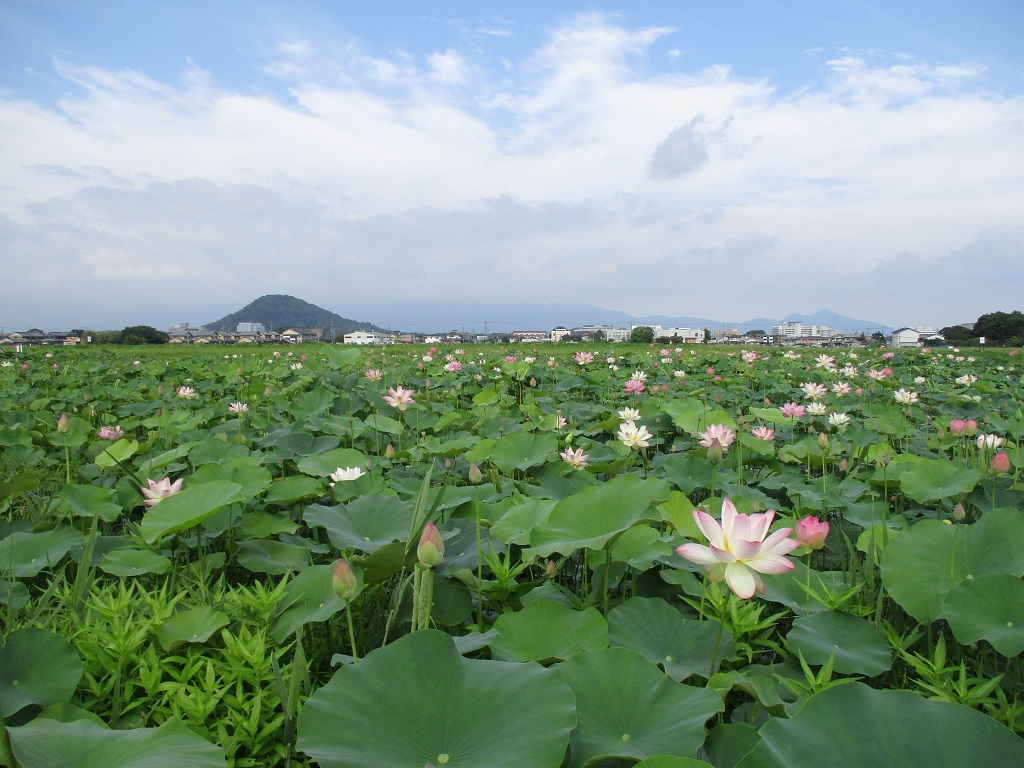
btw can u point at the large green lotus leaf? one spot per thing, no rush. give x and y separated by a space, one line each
382 423
26 553
522 450
922 564
692 415
309 597
257 524
134 562
639 547
659 633
195 625
594 516
340 358
214 451
365 523
687 473
857 645
85 744
668 761
852 726
727 743
628 708
937 479
305 404
278 557
289 443
188 507
91 501
21 482
288 490
247 471
417 701
324 464
988 608
37 668
515 525
118 451
546 631
790 588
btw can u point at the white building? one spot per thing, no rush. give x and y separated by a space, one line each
685 335
250 328
788 330
913 337
367 337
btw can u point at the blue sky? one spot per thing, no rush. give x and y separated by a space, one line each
169 161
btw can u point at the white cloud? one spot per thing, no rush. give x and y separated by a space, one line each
573 174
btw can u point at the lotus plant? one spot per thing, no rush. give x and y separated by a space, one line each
159 490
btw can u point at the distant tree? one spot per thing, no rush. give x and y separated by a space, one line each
707 335
958 334
878 336
642 334
756 332
1000 327
143 334
599 335
107 337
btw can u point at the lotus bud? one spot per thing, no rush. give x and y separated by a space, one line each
343 582
755 506
1000 464
959 513
811 532
715 451
844 465
822 441
475 475
430 551
971 428
552 570
64 424
389 452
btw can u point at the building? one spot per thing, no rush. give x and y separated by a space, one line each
367 337
790 330
913 337
681 335
250 328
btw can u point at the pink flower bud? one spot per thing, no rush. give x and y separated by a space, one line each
430 551
715 451
343 582
551 570
475 475
811 532
1000 464
959 513
64 424
389 452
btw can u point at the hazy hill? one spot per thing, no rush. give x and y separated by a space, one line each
276 311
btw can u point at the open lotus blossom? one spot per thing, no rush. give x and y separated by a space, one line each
639 375
583 357
763 433
904 397
838 420
825 361
634 387
629 414
876 374
186 393
111 433
813 391
719 432
841 388
576 459
157 491
373 374
238 407
633 436
344 474
453 366
989 441
739 549
816 409
793 410
966 380
399 397
811 532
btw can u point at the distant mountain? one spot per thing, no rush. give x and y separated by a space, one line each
277 311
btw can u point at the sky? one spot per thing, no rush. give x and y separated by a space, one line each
174 160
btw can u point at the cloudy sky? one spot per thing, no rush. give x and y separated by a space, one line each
175 159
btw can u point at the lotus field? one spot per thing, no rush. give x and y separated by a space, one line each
521 557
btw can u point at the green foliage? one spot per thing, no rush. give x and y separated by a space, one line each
642 334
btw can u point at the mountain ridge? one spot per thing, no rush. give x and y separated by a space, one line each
278 310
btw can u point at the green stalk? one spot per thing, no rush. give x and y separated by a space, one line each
351 632
718 635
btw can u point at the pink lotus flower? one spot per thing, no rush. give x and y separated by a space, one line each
989 441
374 374
634 387
719 432
763 433
739 550
583 357
399 398
111 433
157 491
576 459
238 407
813 390
811 532
793 411
453 366
185 393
